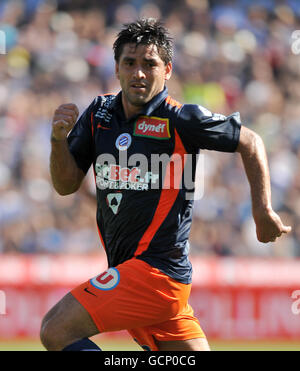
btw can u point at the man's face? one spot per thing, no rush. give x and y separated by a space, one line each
142 74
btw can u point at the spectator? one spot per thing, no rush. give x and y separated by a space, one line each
231 57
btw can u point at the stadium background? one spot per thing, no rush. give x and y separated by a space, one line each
229 56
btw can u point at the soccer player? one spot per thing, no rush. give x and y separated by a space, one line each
143 213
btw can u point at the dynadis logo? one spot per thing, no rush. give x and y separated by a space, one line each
153 127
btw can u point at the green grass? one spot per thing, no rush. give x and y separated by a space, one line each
128 344
32 345
255 345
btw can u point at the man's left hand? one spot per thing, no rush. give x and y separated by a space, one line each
269 226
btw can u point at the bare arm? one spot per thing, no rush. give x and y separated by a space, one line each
65 174
268 224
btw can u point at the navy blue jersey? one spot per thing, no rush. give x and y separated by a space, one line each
141 168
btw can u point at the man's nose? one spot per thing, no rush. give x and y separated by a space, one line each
139 72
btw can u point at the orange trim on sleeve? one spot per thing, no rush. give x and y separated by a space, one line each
173 102
114 93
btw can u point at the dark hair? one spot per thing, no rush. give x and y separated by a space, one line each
145 31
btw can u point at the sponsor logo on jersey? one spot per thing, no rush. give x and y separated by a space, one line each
113 201
123 142
116 177
88 291
152 127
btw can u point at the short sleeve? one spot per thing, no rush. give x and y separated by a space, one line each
80 140
201 129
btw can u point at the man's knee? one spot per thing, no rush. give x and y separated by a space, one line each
65 323
49 336
53 333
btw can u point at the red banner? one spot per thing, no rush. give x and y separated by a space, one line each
232 298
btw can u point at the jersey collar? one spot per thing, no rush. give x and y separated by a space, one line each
154 103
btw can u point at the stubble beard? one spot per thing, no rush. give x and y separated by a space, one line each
137 100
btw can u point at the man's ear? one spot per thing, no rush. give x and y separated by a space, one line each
168 71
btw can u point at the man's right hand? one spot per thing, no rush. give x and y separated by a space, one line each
65 117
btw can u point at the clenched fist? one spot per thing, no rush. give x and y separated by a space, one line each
269 226
65 117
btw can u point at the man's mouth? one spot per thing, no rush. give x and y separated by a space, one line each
138 86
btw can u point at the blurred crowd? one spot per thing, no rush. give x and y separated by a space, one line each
229 56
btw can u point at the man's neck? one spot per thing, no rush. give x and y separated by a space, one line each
130 110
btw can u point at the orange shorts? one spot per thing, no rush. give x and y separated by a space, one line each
141 299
